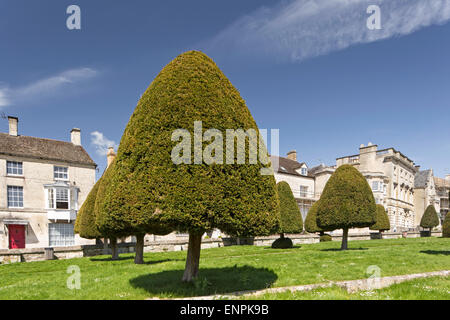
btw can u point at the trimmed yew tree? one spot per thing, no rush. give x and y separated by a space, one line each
346 202
311 220
382 222
105 224
192 196
430 218
446 226
85 223
122 208
291 217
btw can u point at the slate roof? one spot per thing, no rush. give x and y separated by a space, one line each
46 149
421 178
286 165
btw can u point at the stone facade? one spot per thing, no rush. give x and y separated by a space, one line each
44 201
391 175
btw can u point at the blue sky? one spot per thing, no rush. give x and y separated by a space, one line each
308 67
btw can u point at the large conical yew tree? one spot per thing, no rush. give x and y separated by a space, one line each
291 217
382 222
430 218
195 194
346 202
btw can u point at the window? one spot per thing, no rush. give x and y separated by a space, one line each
62 198
61 234
303 191
51 198
61 173
304 171
375 185
14 168
15 197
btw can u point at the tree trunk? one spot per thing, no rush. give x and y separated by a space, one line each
282 235
193 257
344 240
139 256
105 246
321 233
381 234
114 249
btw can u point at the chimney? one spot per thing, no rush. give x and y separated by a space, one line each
75 136
292 155
110 156
13 126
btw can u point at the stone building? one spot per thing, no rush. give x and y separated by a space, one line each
43 182
424 194
297 175
391 176
443 195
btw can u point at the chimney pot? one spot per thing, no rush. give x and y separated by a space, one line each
110 156
292 155
75 136
13 126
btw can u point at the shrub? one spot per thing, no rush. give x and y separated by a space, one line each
382 223
346 202
325 238
291 217
311 219
282 243
85 223
149 190
430 218
446 226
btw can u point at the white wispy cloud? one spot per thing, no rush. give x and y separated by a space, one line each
101 143
43 87
300 29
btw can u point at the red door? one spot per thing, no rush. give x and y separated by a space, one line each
16 236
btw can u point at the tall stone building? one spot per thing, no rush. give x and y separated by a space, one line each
43 183
391 176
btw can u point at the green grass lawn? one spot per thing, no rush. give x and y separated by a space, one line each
222 270
435 288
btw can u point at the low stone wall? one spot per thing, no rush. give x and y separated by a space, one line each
38 254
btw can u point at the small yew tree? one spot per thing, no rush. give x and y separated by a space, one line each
103 221
446 226
311 220
346 202
291 217
430 218
85 222
190 195
382 222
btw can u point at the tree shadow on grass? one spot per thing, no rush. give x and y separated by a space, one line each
339 249
442 252
132 258
278 249
210 281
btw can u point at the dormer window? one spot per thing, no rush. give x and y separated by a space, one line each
304 172
61 173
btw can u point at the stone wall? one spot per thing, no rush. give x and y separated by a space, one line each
38 254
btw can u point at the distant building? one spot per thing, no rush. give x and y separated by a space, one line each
443 195
43 183
296 174
391 176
